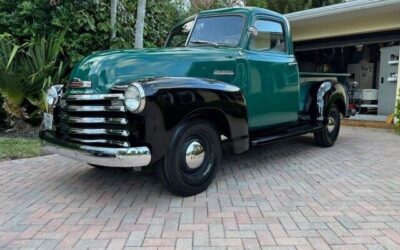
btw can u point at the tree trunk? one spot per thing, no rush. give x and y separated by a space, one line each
15 117
113 14
141 13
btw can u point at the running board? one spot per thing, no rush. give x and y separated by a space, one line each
259 141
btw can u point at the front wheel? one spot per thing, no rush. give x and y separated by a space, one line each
329 134
191 161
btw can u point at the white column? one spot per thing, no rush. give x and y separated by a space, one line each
140 19
113 14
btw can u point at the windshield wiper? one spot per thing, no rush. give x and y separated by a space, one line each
204 42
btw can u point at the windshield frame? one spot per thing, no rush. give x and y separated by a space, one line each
239 44
185 21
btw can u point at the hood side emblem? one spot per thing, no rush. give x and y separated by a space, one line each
77 83
224 72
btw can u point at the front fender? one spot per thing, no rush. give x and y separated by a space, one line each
170 101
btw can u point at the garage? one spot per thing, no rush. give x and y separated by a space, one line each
360 38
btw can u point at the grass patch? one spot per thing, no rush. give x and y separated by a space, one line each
397 128
15 148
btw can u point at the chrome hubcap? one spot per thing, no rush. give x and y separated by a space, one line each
195 155
331 124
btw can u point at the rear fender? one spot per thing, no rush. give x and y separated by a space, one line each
323 95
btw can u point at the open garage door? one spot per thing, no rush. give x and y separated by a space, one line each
357 37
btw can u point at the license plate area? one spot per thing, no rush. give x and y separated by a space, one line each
48 121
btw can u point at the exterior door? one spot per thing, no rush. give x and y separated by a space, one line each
388 80
273 93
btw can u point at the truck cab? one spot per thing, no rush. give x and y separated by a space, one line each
226 73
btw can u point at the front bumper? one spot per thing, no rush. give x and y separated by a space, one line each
107 157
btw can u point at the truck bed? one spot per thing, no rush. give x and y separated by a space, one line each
315 76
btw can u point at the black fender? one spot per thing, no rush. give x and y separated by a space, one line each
323 95
171 101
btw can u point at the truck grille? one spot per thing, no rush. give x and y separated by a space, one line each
95 120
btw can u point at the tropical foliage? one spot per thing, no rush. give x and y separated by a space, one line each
27 70
286 6
198 5
86 23
281 6
397 116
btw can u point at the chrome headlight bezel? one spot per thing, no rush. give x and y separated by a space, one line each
135 98
53 95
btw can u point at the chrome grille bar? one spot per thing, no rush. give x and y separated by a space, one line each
95 97
103 141
93 120
74 108
97 131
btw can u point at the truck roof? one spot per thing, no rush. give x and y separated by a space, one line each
249 11
246 10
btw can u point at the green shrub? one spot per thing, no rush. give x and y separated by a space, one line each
397 115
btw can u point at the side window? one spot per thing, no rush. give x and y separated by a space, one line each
271 37
179 35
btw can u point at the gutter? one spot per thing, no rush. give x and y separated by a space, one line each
340 9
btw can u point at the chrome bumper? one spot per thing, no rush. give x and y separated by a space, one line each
107 157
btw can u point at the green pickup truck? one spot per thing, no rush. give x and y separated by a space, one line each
226 75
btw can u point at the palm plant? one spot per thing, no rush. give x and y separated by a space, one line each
11 84
26 72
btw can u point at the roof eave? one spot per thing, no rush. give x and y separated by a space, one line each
339 8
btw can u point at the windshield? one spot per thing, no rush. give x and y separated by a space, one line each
217 30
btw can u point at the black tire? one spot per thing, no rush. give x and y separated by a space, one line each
189 176
97 166
329 134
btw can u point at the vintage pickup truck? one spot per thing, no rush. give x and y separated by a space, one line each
227 73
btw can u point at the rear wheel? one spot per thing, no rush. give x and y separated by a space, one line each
329 134
191 161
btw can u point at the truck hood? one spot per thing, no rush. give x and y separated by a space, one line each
118 67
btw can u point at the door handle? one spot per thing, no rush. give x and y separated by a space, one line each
292 63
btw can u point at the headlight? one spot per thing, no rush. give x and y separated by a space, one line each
134 98
52 94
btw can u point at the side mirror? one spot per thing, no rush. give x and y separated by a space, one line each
252 31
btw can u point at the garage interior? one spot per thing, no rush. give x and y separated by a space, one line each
361 38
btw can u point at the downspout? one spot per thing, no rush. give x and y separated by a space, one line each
398 88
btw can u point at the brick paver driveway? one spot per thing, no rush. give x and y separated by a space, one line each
287 195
